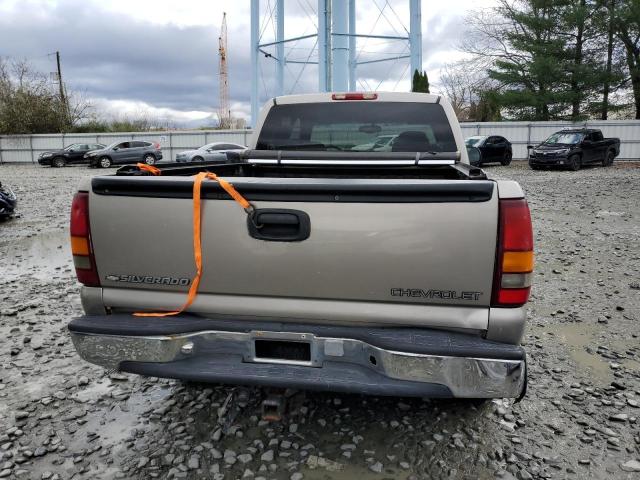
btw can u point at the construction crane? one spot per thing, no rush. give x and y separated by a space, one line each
224 113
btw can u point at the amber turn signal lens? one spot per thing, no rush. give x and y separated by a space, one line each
79 245
517 262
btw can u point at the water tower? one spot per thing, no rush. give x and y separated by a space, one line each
335 45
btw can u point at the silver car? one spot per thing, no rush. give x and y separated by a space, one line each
211 152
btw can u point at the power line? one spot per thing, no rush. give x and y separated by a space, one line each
406 67
366 39
398 17
304 9
385 17
391 69
305 65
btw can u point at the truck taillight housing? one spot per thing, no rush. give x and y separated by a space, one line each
81 247
514 263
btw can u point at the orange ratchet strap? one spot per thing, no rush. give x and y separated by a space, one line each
197 221
149 168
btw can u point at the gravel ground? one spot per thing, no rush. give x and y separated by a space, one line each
62 418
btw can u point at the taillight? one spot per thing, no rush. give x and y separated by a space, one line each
81 247
354 96
514 263
156 145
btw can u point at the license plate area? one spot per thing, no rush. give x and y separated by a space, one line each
283 348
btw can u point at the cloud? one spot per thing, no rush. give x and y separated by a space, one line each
163 56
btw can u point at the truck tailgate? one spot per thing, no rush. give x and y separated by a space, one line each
372 244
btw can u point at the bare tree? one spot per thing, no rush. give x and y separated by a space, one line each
463 83
29 104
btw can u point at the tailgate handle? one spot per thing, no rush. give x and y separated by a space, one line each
279 225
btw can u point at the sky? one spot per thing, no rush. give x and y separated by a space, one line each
160 58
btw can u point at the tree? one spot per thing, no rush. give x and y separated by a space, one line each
488 107
28 104
420 82
609 7
546 56
463 83
627 27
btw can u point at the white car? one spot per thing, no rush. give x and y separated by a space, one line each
208 153
383 143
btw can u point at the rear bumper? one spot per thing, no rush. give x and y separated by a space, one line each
378 361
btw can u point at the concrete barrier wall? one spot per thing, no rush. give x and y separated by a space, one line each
26 148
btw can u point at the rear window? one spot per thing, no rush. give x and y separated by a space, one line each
358 126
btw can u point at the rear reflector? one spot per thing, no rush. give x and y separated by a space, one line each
354 96
83 258
515 259
513 297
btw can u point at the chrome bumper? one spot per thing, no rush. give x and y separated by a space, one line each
465 377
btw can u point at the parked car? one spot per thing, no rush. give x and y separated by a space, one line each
493 149
72 154
8 202
211 152
119 153
383 273
573 148
384 143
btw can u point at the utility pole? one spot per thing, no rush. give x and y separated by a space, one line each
63 99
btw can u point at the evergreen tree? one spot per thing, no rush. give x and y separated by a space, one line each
420 82
533 67
558 59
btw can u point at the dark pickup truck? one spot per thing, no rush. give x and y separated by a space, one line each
573 148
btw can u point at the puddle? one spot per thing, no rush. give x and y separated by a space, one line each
349 472
43 256
116 423
578 336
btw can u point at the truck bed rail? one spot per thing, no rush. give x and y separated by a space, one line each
267 163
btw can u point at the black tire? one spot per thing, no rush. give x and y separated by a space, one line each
575 162
506 160
58 162
104 162
533 166
197 159
149 159
608 159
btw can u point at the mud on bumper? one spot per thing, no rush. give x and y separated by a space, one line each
377 361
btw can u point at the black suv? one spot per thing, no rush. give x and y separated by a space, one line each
71 154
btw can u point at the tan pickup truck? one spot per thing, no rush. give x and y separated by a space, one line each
395 272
